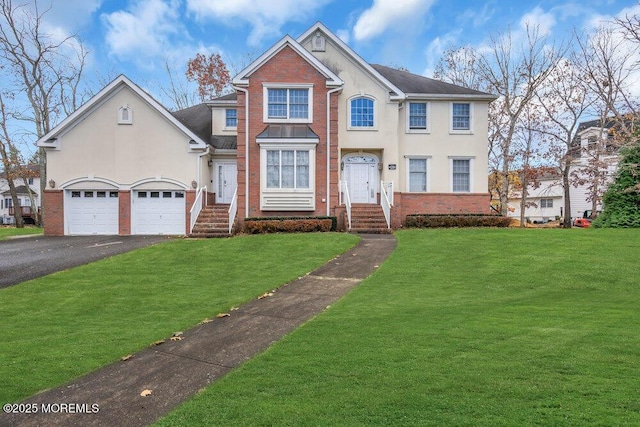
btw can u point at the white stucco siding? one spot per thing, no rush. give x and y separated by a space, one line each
99 147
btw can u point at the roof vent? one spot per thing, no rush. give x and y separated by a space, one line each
318 43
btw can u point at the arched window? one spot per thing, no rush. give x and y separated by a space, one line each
125 115
362 113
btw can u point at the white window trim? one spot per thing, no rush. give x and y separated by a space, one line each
375 113
121 119
471 113
471 175
408 173
225 120
265 102
288 193
408 117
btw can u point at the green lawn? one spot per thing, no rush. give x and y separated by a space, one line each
459 327
69 323
12 231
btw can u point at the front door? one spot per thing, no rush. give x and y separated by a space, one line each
361 174
227 177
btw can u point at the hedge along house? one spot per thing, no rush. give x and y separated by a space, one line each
311 130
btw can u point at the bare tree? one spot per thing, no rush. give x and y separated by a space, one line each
514 73
564 99
43 72
607 65
10 161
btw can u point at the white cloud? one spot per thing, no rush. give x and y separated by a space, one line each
544 21
265 16
436 48
385 14
144 31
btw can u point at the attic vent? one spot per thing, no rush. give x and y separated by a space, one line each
318 43
125 115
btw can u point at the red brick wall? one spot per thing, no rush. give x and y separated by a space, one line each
124 213
53 208
286 67
438 203
190 197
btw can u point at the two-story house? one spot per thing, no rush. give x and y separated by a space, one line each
27 189
311 130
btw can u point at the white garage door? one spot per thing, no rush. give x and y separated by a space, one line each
159 212
92 212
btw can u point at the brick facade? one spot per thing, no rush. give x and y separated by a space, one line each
124 213
438 203
53 208
286 67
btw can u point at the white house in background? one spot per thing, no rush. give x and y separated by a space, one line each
311 130
588 136
6 202
547 201
544 201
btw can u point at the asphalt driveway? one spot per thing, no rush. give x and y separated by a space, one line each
30 257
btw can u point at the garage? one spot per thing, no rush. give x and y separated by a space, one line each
158 212
92 212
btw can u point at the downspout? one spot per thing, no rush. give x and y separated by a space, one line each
329 93
246 150
200 156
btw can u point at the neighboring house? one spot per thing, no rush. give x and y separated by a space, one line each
595 143
592 143
6 202
544 201
311 130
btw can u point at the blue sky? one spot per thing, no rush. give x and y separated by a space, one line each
136 37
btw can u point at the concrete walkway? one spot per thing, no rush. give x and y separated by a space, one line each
175 370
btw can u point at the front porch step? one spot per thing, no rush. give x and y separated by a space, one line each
213 222
368 219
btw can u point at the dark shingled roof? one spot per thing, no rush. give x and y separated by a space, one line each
228 97
413 83
20 189
288 131
198 120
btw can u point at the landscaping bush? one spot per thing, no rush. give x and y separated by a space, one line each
263 225
452 220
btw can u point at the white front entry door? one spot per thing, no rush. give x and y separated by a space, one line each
227 177
361 174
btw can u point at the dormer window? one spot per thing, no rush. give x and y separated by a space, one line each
231 118
125 115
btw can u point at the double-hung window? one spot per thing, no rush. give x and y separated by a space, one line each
546 203
461 175
418 175
461 116
287 169
231 118
361 113
418 117
287 104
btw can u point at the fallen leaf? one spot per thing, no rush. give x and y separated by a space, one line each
221 315
235 308
127 357
176 338
158 342
265 295
145 393
206 321
177 334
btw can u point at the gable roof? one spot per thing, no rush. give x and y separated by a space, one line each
50 139
332 79
394 91
414 85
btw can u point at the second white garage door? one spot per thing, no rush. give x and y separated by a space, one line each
159 212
